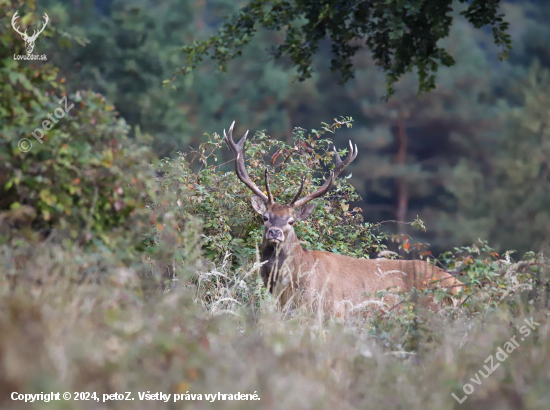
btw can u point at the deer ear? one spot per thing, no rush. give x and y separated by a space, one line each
258 204
303 212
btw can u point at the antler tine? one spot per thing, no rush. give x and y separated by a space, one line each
340 165
299 193
240 167
269 194
229 141
320 192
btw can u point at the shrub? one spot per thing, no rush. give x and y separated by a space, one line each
223 201
85 177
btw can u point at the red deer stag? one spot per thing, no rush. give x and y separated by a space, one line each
322 279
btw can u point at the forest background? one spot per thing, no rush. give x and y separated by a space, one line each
471 158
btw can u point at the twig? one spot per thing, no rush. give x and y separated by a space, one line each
394 306
397 222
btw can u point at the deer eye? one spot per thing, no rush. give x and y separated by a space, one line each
266 218
291 222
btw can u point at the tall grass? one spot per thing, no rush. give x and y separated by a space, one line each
75 321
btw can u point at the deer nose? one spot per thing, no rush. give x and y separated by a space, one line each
274 233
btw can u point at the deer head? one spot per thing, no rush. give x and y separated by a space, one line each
279 219
29 40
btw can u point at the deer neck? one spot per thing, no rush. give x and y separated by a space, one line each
280 261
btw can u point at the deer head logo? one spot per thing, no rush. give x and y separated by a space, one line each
29 40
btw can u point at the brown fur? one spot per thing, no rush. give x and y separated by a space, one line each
299 276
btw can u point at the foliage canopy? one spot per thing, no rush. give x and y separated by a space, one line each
402 34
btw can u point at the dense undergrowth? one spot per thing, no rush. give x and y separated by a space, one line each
189 314
75 320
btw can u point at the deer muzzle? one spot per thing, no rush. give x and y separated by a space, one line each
275 235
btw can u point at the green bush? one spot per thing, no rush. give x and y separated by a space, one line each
223 201
83 176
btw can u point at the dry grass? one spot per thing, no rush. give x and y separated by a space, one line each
77 322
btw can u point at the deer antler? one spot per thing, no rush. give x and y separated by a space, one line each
340 165
269 194
240 168
299 193
17 28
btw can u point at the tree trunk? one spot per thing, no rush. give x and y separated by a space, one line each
401 160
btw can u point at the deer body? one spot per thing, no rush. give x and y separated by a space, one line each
323 279
338 283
